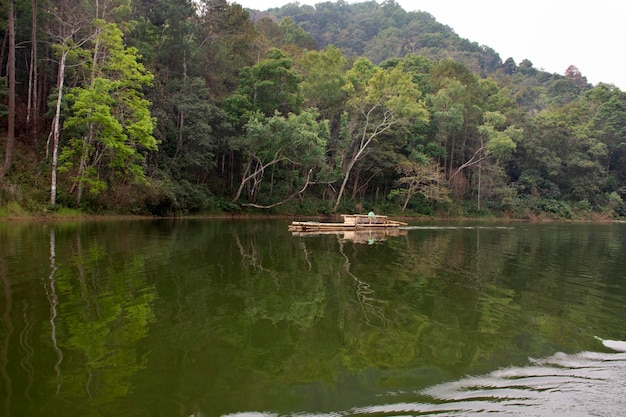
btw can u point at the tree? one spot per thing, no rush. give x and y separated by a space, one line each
448 115
323 79
421 177
378 100
457 107
70 34
562 159
269 86
4 91
493 142
295 35
111 124
226 43
163 31
8 156
296 140
32 112
608 124
496 140
195 111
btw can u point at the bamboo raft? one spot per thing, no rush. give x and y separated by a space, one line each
350 222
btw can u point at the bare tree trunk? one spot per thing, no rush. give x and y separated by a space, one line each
480 168
179 142
5 39
243 182
451 162
8 156
343 184
296 194
82 166
256 175
355 186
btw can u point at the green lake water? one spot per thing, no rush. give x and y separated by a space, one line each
242 318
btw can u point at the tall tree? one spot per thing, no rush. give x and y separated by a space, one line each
421 177
198 118
608 122
323 79
295 35
70 30
111 124
163 33
460 89
226 43
497 141
448 115
269 86
8 157
379 99
32 112
296 140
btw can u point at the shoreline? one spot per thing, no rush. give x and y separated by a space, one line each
78 217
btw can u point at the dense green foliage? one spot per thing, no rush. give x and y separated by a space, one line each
174 107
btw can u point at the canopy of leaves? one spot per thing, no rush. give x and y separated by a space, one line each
110 123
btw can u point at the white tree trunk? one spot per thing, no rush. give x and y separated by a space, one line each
56 128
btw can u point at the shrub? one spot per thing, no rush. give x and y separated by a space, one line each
12 209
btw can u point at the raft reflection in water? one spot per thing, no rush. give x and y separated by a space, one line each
357 236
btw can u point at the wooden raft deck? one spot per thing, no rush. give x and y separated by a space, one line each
350 222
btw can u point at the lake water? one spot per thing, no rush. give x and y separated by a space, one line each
242 318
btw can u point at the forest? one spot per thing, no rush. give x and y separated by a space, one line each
181 107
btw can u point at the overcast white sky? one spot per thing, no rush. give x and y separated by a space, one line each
552 34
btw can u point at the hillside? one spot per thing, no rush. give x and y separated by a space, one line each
386 31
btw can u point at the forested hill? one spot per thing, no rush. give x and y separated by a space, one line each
383 31
199 106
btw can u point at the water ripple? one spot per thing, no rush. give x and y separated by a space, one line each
582 384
